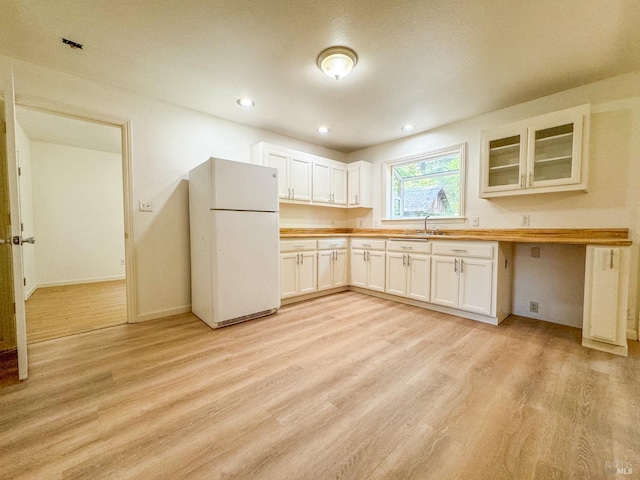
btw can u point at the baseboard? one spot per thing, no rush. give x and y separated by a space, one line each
30 292
632 334
79 282
430 306
309 296
144 317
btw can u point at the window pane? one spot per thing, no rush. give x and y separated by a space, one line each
430 186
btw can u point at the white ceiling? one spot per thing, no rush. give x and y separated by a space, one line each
45 127
426 62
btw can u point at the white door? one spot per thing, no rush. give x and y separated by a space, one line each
354 186
288 275
300 179
14 231
444 281
281 162
376 271
321 182
325 269
244 271
340 269
396 274
419 277
339 185
307 273
358 268
475 285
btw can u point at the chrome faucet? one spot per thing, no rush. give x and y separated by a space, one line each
425 223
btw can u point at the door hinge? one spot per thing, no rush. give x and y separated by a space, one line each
21 227
19 171
4 126
14 307
24 280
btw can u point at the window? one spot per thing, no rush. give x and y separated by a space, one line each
427 184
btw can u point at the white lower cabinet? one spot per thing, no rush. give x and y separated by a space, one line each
297 267
606 299
332 263
408 269
368 264
461 280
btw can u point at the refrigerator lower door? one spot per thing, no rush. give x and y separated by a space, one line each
245 265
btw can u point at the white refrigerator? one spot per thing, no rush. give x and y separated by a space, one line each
233 213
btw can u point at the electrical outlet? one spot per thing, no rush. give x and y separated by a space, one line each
535 252
533 307
145 206
525 221
360 223
122 261
475 221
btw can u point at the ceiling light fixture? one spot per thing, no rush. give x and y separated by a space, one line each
324 129
246 102
408 127
337 62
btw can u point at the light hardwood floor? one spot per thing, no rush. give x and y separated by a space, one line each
345 386
54 312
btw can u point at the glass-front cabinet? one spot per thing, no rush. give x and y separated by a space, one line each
542 154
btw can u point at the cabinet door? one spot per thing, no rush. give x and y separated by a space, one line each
396 274
340 269
444 281
555 150
281 162
288 275
504 155
419 271
358 269
300 178
321 182
325 269
354 186
339 185
376 270
307 273
606 291
475 285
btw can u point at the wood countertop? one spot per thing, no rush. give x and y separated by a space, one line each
572 236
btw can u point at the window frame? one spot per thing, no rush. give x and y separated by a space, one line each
387 166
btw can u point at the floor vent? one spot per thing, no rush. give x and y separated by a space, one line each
244 318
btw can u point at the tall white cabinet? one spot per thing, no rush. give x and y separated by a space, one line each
605 299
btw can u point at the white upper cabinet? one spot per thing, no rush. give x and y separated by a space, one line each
329 182
307 178
294 173
360 185
540 155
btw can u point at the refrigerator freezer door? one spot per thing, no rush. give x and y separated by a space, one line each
245 271
243 186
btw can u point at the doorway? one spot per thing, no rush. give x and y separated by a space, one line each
72 204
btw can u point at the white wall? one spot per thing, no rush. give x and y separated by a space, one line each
78 209
612 200
167 141
23 147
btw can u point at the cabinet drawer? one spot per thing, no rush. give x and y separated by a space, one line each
405 246
478 250
368 244
297 245
332 244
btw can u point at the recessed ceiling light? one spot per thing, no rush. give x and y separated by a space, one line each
408 127
246 102
324 129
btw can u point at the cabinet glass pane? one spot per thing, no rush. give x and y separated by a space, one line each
553 153
504 161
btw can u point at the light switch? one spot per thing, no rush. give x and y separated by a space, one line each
146 206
